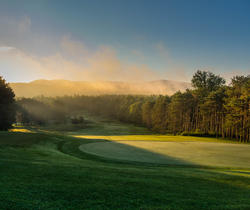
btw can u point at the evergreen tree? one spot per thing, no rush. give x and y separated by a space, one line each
237 106
7 105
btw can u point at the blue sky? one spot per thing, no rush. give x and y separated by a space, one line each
160 39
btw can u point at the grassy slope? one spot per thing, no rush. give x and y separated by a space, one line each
47 171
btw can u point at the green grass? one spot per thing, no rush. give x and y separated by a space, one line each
48 171
193 153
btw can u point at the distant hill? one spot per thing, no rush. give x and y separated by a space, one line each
65 87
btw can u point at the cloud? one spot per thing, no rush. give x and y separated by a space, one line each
17 64
6 48
30 55
21 34
43 56
75 61
26 54
79 63
13 32
73 48
64 58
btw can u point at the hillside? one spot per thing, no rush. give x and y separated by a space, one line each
65 87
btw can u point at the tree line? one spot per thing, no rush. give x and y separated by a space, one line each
210 108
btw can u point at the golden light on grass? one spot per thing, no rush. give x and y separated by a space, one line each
150 138
22 130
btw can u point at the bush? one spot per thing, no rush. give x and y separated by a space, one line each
77 120
198 134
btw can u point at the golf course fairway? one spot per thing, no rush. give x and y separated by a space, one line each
46 170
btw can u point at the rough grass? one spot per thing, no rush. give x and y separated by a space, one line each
48 171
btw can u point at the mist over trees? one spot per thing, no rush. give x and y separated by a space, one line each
7 105
40 111
210 108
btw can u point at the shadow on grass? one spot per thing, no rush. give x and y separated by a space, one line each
153 159
122 152
21 139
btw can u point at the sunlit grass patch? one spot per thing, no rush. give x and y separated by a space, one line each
22 130
151 138
238 172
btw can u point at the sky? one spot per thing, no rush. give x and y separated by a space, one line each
123 40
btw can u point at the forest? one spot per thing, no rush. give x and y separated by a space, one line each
210 108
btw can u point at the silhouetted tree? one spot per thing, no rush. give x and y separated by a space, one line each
7 105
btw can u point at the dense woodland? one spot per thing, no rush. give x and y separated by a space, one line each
210 108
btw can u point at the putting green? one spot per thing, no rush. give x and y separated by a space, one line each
175 153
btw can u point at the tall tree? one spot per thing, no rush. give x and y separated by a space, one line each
158 114
7 105
207 81
204 83
213 112
237 106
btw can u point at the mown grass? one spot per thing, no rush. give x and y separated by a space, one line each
211 154
48 171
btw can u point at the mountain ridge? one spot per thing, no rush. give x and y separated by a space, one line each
67 87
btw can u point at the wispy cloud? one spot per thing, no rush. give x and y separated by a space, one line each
6 48
76 62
